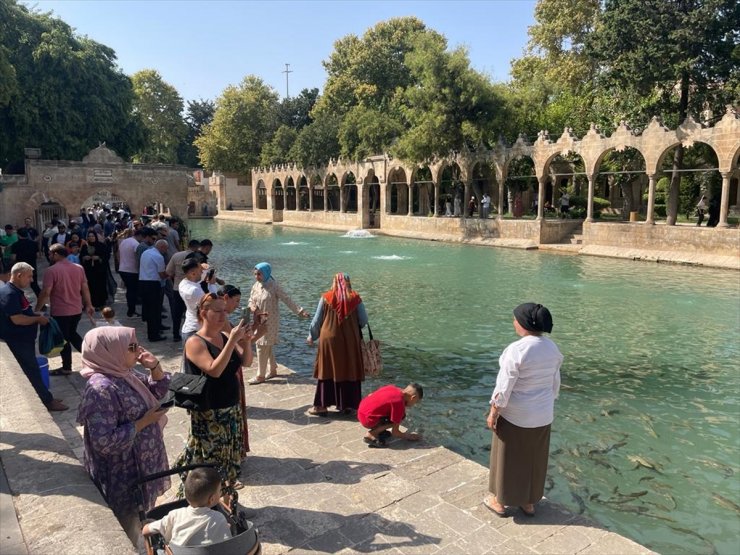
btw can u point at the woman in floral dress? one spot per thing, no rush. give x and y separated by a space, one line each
123 421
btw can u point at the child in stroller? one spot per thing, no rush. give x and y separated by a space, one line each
201 524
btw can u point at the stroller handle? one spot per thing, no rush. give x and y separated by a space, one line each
171 471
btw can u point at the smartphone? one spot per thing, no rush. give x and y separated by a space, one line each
167 401
210 274
245 317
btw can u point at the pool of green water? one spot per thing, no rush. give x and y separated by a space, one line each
646 438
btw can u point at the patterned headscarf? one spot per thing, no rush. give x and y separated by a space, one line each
104 352
341 298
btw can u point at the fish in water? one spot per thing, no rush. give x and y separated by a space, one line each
645 463
726 503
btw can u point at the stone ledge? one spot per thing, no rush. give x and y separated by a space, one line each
664 256
59 510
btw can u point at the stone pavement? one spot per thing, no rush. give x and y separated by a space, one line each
317 488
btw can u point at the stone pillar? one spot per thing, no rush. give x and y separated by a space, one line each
436 200
411 199
590 202
466 198
342 195
326 198
542 181
650 216
501 188
310 199
725 201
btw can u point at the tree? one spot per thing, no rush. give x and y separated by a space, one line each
450 106
58 91
199 114
295 112
159 106
277 151
317 143
246 118
676 55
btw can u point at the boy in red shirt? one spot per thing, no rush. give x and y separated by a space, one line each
386 408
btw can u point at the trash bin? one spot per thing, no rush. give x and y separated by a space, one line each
634 216
44 365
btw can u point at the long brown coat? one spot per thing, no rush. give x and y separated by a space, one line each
339 357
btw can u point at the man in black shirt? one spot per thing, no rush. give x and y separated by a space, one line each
26 250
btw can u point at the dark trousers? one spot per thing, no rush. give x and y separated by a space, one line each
131 281
177 308
25 353
151 307
68 325
35 283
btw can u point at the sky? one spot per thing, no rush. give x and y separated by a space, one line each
201 47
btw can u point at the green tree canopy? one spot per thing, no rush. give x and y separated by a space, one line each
246 118
58 91
159 106
277 151
199 114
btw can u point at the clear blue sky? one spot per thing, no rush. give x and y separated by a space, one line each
201 47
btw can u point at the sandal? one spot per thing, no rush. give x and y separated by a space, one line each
527 513
256 380
60 372
313 412
374 443
500 514
271 375
237 484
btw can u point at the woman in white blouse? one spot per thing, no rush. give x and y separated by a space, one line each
521 413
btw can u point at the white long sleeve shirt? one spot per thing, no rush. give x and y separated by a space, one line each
528 381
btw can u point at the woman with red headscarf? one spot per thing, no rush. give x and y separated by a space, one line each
338 366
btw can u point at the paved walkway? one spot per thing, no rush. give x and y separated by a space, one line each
317 488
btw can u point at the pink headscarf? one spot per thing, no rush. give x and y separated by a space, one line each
104 352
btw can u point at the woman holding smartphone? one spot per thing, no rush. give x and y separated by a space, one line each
123 421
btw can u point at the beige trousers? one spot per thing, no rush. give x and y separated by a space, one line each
265 356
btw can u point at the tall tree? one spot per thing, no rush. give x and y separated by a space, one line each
295 112
58 91
277 151
676 55
199 114
159 106
317 143
450 106
246 118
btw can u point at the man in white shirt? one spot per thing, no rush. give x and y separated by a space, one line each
175 273
128 269
152 275
191 291
485 205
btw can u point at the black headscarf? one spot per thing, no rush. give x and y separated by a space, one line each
533 317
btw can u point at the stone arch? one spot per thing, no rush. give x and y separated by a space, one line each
695 181
521 185
43 208
450 185
397 192
349 192
290 194
483 180
331 193
421 190
619 184
317 193
303 194
278 195
564 172
261 195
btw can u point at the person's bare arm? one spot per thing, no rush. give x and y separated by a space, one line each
86 299
24 320
42 298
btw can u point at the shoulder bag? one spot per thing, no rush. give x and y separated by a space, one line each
372 361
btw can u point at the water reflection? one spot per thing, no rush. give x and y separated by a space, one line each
646 432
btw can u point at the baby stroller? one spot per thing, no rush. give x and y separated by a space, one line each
244 540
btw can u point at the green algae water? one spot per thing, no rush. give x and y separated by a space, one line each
646 438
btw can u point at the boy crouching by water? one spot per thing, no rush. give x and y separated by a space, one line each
386 408
196 524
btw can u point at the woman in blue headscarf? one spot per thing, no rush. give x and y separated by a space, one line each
263 301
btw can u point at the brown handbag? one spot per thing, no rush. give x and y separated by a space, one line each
372 361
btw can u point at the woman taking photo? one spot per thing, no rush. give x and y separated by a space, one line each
338 367
521 413
123 421
216 434
94 258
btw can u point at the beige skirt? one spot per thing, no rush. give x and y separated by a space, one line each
518 463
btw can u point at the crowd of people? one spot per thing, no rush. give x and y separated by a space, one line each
121 409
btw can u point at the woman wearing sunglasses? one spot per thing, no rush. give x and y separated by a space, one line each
120 410
216 434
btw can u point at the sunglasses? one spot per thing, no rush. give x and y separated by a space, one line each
133 347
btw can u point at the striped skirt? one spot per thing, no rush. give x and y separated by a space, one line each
518 463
